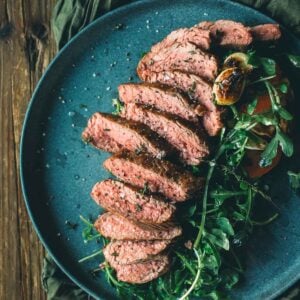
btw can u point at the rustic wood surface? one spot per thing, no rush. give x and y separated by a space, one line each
26 48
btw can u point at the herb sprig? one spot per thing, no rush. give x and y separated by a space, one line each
206 261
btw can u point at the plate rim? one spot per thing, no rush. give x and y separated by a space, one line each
34 99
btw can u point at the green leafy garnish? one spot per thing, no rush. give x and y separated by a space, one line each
118 106
268 65
251 107
89 232
294 59
294 180
283 88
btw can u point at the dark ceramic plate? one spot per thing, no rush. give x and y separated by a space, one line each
58 170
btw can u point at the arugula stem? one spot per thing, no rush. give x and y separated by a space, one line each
196 277
240 268
111 277
254 188
262 223
204 204
249 204
273 96
93 237
84 220
261 80
90 256
186 263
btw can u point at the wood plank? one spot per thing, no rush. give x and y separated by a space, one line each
26 48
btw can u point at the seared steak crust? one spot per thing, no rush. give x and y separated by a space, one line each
132 202
156 175
197 89
143 272
188 140
266 32
227 33
197 36
128 252
116 227
162 97
180 56
113 134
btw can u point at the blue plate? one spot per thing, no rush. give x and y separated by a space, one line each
58 170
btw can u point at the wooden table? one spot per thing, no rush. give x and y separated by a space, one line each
26 48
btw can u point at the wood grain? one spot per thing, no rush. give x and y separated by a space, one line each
26 47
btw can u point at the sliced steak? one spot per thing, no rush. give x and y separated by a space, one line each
180 56
161 97
188 140
143 272
197 36
129 252
156 175
116 227
132 202
199 90
204 25
266 32
227 33
113 134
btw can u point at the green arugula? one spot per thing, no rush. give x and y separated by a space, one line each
294 180
280 138
89 232
118 105
205 261
294 59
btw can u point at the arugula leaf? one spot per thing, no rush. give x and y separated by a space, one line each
294 180
269 153
284 114
283 88
268 65
294 59
285 143
266 119
230 278
195 170
219 238
89 232
225 225
118 106
210 262
251 106
221 194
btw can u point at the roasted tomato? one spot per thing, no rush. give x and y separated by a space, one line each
251 163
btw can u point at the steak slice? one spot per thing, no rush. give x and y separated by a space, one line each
161 97
180 56
204 25
157 176
116 227
266 32
199 90
129 252
113 134
131 202
143 272
188 140
227 33
197 36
